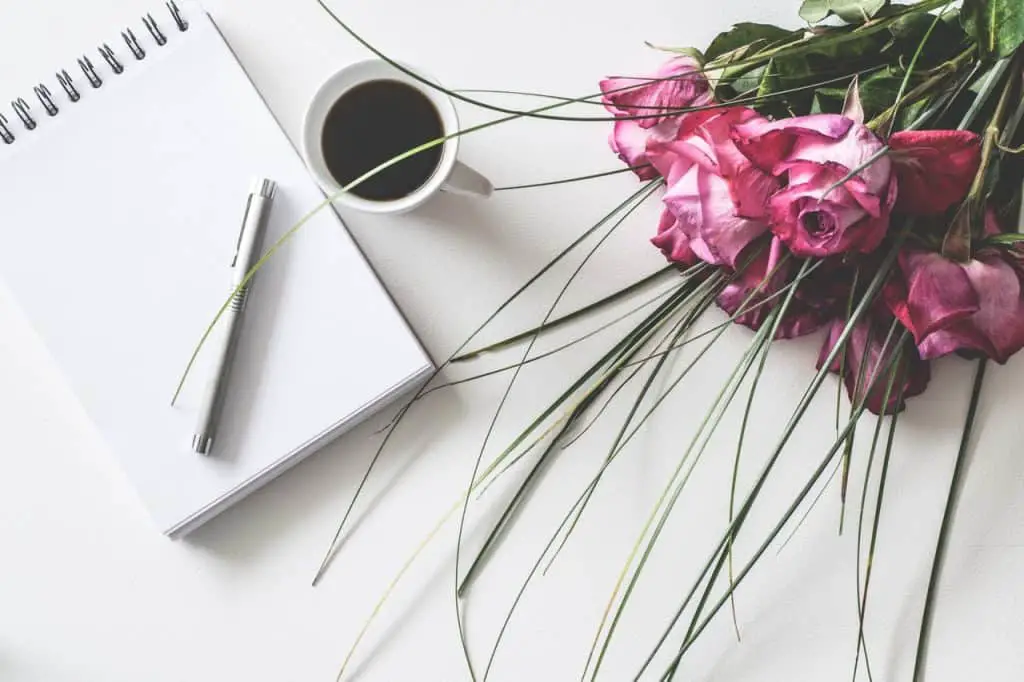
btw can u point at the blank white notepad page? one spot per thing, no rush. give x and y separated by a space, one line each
119 220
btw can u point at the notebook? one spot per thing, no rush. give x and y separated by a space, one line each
125 182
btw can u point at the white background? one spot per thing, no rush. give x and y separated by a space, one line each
89 591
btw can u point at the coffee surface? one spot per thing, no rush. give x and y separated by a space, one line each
373 123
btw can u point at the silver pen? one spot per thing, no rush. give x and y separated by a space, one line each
247 253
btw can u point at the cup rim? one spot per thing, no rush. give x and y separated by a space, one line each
334 87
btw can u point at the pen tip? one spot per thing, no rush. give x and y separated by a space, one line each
264 187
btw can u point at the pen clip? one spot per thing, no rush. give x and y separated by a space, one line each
241 231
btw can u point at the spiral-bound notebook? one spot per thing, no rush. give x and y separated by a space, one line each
125 180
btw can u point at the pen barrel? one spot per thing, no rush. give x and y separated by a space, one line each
224 347
250 241
222 354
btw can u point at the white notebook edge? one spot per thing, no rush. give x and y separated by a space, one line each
185 526
287 461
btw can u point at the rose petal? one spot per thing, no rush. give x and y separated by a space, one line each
751 189
672 240
850 151
678 83
868 364
997 328
724 232
935 168
767 143
938 292
751 292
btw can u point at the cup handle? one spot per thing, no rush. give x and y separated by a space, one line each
467 182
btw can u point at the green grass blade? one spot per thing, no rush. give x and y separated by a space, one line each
579 506
913 65
647 192
955 484
655 372
628 345
569 317
575 178
773 323
867 300
332 549
564 101
822 467
748 306
862 596
558 349
656 520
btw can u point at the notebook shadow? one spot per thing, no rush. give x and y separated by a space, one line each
255 526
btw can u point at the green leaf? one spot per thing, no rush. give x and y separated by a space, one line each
946 42
850 11
743 35
1008 238
997 25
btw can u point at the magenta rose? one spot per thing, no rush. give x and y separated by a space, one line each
678 84
866 362
715 194
811 154
973 307
935 168
757 289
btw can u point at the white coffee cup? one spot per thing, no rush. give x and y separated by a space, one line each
450 175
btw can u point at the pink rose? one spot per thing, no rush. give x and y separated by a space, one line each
673 242
935 168
812 153
715 194
973 307
756 291
869 382
678 84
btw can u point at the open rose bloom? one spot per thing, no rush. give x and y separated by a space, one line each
761 198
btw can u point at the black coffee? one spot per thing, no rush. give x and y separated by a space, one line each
374 122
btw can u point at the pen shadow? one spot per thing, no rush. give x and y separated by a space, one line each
256 525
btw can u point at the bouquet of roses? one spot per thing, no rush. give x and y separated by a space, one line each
857 177
822 196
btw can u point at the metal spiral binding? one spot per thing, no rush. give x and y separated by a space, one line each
46 99
64 78
24 112
5 132
92 75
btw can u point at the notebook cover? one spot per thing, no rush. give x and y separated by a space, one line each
119 221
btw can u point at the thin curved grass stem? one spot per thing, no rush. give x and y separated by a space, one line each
578 313
822 467
627 211
574 510
871 292
575 178
563 101
862 597
558 349
636 366
679 329
579 504
952 498
773 324
613 359
684 469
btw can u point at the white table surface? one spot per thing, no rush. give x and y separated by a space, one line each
89 591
